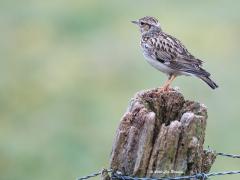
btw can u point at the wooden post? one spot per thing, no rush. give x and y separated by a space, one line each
161 135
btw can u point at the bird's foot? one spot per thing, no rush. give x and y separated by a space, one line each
165 88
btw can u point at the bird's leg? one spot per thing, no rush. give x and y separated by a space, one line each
170 81
167 83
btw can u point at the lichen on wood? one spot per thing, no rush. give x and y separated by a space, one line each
161 135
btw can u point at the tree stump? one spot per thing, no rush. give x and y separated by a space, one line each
161 135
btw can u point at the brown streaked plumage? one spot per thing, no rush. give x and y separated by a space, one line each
168 54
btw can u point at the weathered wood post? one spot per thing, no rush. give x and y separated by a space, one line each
161 135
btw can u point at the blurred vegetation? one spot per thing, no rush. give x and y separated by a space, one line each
69 68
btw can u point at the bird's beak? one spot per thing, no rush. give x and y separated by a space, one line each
134 22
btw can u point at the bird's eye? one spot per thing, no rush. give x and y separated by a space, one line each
141 23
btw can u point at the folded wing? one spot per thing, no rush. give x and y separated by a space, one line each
173 54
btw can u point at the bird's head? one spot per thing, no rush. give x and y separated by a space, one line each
147 24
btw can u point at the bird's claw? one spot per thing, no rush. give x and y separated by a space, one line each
164 89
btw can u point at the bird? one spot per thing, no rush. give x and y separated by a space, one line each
167 54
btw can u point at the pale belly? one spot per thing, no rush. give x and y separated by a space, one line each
158 65
162 67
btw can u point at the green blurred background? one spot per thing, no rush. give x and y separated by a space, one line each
69 68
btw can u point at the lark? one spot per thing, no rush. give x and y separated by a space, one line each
167 54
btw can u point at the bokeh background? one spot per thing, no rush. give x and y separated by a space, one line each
69 68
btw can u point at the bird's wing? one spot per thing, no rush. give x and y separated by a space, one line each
171 52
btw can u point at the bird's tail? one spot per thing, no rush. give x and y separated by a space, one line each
210 82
